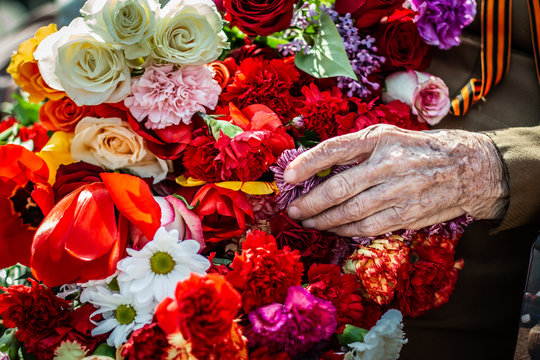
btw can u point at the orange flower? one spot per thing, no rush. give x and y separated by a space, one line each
378 267
222 74
63 114
20 170
24 69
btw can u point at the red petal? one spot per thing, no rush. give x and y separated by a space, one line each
133 199
19 165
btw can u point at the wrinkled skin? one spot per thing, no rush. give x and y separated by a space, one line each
403 180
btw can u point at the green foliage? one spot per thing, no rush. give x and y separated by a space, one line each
25 112
189 207
309 140
328 57
105 350
216 126
9 344
351 334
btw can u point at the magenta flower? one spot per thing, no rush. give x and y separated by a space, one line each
295 327
163 96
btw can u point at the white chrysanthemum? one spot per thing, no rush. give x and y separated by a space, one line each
151 274
383 341
120 314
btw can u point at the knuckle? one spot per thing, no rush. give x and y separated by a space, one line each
337 189
354 210
371 226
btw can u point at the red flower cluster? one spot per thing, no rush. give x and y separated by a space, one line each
266 82
37 133
262 273
394 113
203 312
327 282
148 342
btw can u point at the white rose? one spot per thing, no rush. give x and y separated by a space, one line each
189 32
88 69
129 23
112 144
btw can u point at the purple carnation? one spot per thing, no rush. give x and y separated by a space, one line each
440 22
295 327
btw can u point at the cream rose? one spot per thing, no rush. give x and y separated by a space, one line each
189 32
112 144
129 23
89 70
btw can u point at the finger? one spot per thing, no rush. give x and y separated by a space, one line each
364 204
389 220
339 150
336 190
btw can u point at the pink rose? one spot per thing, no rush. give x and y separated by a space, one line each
175 215
426 95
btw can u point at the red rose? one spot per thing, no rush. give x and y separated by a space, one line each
256 18
73 176
367 12
203 311
63 114
262 273
224 213
400 43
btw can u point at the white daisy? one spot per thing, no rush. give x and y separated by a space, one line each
151 274
120 314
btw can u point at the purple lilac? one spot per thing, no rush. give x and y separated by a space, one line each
303 17
440 22
289 192
450 229
361 52
295 327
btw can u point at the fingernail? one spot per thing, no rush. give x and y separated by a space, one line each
289 175
293 212
309 223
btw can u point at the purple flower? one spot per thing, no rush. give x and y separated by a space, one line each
289 192
295 327
440 22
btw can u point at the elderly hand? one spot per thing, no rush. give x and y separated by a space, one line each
403 180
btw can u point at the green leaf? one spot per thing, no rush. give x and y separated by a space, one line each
328 57
9 344
216 125
189 207
9 132
26 113
105 350
352 334
309 140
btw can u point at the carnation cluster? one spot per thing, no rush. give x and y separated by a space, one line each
143 203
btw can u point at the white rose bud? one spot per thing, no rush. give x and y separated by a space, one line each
129 23
89 70
112 144
189 32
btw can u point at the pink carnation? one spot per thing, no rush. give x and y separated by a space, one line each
164 96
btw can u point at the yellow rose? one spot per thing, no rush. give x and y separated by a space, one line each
112 144
25 72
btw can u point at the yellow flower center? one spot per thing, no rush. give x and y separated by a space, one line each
125 314
162 263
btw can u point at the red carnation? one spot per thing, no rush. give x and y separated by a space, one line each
34 310
266 82
313 245
327 282
148 342
326 112
224 213
200 158
394 113
399 41
37 133
262 273
203 311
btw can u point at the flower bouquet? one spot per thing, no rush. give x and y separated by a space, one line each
144 210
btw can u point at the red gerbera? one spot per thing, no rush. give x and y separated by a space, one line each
262 273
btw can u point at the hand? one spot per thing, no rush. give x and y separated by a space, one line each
403 180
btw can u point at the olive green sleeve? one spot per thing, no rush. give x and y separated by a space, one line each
520 150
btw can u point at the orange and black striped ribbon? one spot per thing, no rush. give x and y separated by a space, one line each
534 16
495 54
